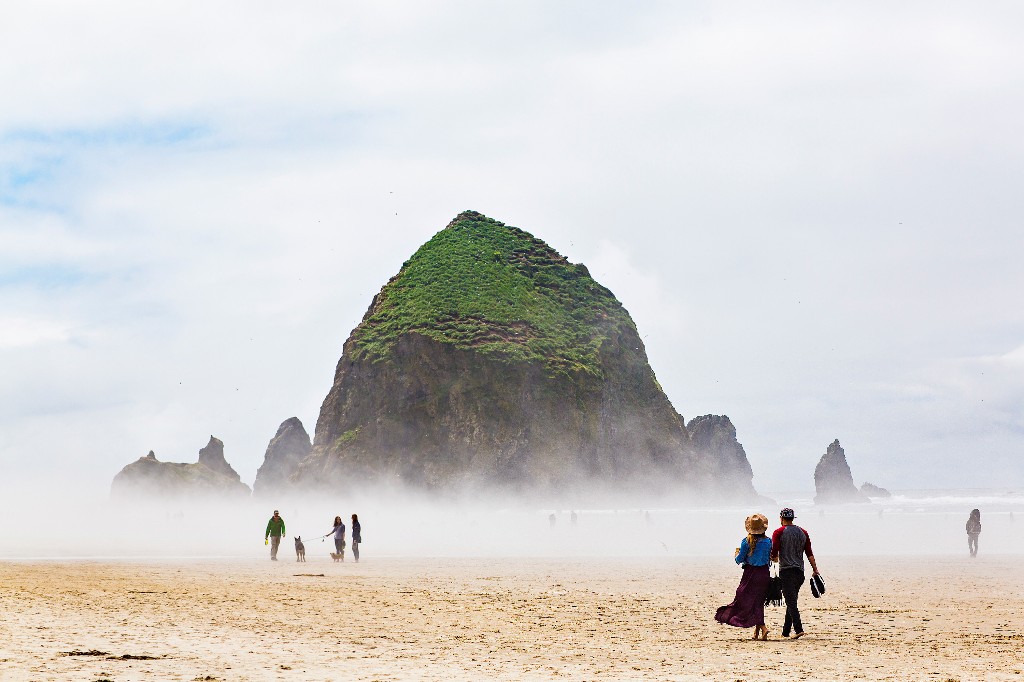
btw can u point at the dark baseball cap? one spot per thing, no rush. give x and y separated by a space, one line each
787 513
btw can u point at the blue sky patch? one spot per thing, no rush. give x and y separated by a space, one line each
131 134
45 277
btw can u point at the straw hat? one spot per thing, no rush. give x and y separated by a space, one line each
756 523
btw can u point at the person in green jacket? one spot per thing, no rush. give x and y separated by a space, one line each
275 531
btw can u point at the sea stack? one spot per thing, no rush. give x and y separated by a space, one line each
211 477
490 362
714 436
289 446
833 480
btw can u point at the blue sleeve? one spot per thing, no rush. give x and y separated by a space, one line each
742 556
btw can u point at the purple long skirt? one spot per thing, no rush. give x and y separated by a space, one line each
747 609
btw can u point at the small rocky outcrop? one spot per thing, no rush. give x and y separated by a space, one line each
212 457
210 477
833 480
490 362
289 446
872 490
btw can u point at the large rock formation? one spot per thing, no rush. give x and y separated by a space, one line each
491 362
211 477
289 446
714 436
833 480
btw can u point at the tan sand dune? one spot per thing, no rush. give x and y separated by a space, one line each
923 618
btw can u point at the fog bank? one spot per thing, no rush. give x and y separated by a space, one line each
74 525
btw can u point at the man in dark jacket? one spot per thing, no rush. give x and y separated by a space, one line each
790 543
275 531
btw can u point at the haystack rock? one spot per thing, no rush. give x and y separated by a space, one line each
490 362
211 477
833 480
289 446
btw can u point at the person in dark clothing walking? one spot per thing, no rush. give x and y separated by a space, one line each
790 543
973 531
357 536
275 531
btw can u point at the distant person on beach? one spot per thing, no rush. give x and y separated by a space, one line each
339 537
275 531
753 554
973 531
357 536
790 543
552 520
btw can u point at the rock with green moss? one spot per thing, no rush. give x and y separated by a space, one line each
490 362
211 477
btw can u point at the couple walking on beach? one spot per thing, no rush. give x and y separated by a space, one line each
787 546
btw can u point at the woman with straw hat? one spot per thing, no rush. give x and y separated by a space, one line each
747 609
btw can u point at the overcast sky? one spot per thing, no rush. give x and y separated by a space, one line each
811 209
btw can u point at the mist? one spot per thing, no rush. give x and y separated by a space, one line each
76 524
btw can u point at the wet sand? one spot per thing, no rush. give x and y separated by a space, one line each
922 618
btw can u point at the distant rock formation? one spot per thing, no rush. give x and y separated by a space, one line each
287 448
490 362
833 480
714 436
872 490
212 457
210 477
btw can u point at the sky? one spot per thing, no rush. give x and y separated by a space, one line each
811 210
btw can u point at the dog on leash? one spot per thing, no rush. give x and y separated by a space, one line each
300 549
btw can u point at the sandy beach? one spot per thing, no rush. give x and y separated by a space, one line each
919 618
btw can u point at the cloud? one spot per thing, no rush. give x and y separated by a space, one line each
20 332
1013 358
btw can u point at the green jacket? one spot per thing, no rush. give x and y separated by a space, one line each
275 527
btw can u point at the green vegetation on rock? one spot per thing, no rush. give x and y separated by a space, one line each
346 438
482 285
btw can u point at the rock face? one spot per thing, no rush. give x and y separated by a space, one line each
833 481
491 362
211 477
715 436
872 490
289 446
212 457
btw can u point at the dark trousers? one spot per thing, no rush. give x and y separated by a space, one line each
792 580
